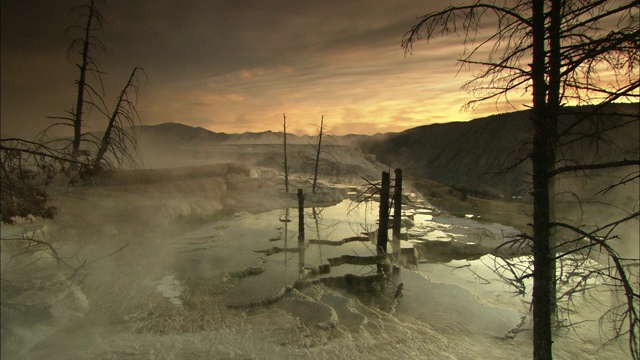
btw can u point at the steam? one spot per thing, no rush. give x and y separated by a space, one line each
588 201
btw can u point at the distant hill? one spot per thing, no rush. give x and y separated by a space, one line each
464 154
171 145
473 156
176 133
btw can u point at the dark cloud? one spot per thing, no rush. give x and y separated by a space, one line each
237 65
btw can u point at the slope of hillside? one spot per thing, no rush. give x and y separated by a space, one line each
474 156
180 134
176 145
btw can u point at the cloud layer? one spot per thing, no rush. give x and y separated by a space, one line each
236 66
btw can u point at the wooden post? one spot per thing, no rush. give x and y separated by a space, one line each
300 215
397 204
286 233
301 244
286 165
383 218
397 212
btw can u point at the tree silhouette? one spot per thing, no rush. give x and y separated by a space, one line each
559 53
117 146
318 149
29 166
285 164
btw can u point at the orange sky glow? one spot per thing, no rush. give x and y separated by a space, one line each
238 66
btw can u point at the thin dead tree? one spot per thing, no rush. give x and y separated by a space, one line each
119 139
285 165
323 158
318 149
31 165
88 23
118 144
558 53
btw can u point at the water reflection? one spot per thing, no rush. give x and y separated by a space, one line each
339 250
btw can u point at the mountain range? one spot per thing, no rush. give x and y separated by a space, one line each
486 156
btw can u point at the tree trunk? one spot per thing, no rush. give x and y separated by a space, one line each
286 166
301 242
397 212
315 173
300 215
106 139
553 110
397 204
285 234
541 156
82 81
383 217
383 223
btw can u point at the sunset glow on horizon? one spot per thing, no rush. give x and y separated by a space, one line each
238 66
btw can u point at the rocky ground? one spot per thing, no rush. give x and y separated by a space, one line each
149 262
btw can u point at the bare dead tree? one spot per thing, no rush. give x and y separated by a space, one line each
89 22
119 139
555 51
314 187
285 164
118 144
28 166
323 158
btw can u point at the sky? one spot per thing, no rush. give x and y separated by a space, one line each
235 66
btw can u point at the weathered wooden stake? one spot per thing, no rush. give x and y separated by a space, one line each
286 165
286 232
397 212
383 218
301 244
300 215
397 204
